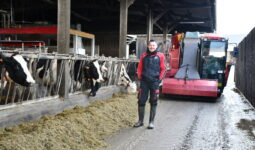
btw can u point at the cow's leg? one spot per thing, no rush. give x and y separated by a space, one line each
97 86
92 87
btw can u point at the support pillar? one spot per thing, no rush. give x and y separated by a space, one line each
75 44
93 46
149 25
63 40
165 37
123 28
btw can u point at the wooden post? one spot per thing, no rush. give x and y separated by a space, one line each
123 27
149 25
165 37
63 40
93 46
75 43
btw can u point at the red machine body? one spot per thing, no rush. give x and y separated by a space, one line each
173 86
205 87
174 55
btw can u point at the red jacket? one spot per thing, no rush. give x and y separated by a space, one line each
151 66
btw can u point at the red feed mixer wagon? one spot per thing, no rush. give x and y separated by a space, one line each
197 65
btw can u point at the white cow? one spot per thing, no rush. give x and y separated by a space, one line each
124 80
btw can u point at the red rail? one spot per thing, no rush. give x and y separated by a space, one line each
29 30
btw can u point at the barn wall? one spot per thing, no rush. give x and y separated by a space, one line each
108 44
244 70
141 44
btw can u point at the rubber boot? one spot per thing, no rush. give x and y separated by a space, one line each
152 116
141 116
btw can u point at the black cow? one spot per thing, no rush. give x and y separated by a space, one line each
78 71
93 73
17 69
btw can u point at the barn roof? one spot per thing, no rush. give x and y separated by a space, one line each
103 15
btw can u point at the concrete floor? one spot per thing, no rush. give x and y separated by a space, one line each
228 123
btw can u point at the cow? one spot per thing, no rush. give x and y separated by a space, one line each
45 76
17 69
125 80
132 70
77 75
93 73
14 69
46 71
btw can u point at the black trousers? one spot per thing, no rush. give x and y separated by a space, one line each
147 87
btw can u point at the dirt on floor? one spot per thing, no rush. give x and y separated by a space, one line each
248 126
79 128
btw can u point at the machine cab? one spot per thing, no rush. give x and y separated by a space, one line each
213 53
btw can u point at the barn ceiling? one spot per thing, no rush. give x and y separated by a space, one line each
103 15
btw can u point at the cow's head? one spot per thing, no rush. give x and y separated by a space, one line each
94 71
124 78
17 69
103 67
126 81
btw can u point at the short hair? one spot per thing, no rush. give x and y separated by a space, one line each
151 41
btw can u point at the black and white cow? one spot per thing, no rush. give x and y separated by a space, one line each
77 75
46 71
14 69
93 73
17 69
45 76
125 80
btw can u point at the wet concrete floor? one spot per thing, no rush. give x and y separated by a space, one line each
181 124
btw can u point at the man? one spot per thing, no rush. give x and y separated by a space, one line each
150 70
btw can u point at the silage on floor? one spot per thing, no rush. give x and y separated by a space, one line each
78 128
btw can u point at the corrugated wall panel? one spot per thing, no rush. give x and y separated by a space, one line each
245 67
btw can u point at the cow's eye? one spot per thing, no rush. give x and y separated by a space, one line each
16 67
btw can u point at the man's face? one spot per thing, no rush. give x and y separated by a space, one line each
152 46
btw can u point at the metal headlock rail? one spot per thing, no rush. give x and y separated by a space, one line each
46 88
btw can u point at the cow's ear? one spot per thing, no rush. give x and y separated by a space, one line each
14 54
26 59
2 57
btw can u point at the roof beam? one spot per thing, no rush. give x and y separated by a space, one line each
160 15
72 12
157 25
130 2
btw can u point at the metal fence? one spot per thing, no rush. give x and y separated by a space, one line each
48 87
245 70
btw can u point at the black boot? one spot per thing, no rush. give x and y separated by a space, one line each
141 116
152 116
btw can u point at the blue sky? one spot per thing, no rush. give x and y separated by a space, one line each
235 16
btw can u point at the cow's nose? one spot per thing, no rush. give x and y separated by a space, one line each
31 81
32 84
